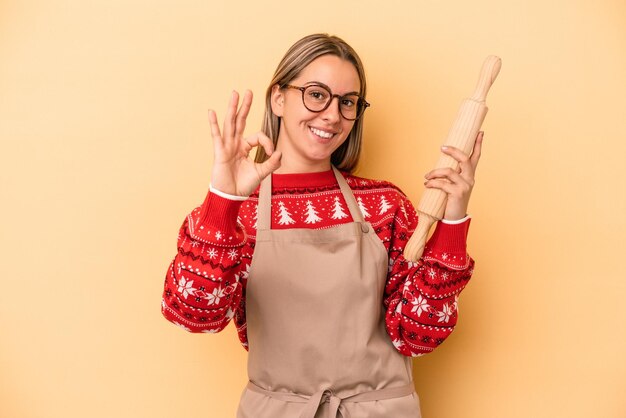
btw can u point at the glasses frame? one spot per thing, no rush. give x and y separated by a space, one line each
360 102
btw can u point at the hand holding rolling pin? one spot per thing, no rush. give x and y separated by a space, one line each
457 184
449 185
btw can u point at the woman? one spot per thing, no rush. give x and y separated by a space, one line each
308 258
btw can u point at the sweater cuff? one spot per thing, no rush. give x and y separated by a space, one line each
226 195
450 238
456 221
219 213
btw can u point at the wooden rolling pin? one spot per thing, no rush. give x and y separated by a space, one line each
462 136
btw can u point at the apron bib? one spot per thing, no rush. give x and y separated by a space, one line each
318 347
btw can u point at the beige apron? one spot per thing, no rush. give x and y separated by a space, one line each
316 326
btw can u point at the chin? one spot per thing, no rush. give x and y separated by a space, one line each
321 154
318 158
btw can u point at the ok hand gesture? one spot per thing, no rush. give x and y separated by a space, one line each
233 172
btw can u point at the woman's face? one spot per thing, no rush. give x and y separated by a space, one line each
308 139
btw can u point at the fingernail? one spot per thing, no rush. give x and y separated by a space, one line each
444 147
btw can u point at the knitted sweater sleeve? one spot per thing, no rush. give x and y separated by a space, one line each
203 284
421 299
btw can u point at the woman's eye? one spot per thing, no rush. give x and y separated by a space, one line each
348 102
318 95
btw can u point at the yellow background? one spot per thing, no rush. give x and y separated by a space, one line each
105 149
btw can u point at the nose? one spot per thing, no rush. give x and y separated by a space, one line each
332 112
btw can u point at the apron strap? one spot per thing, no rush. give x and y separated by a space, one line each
264 206
355 212
336 406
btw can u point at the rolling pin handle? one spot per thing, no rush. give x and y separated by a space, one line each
488 73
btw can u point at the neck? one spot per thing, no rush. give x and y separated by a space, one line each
292 162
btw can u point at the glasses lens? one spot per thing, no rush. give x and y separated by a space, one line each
316 98
350 106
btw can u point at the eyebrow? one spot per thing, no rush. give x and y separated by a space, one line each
319 83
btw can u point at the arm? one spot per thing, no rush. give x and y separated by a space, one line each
421 299
202 286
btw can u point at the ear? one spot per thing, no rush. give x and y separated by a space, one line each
277 100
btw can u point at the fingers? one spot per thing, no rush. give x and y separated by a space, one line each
215 128
455 153
231 115
449 174
458 195
441 184
270 165
478 146
261 139
266 143
457 182
463 158
457 188
235 119
242 114
466 163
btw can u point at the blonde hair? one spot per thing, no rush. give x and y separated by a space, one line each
301 54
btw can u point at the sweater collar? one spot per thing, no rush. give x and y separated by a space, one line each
292 180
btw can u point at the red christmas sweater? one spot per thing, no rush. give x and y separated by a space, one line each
205 285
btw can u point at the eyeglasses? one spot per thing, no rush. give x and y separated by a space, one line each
316 98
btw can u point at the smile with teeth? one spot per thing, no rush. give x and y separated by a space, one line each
322 134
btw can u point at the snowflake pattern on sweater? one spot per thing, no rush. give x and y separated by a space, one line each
205 283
